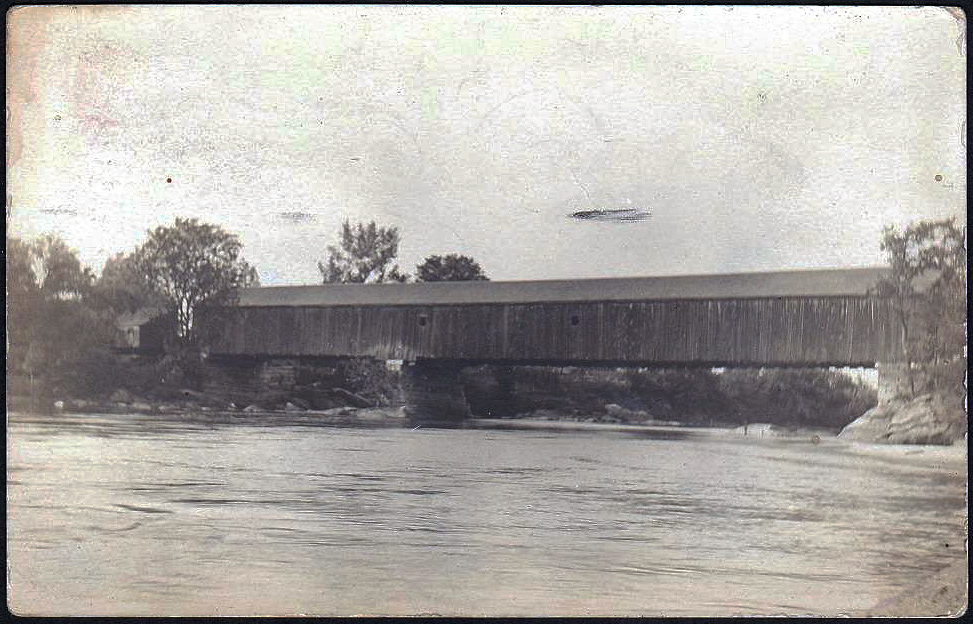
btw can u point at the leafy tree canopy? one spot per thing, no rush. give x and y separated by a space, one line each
48 265
928 285
21 281
190 265
366 254
923 251
449 268
124 287
41 271
53 331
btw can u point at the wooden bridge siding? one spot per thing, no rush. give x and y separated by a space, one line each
287 331
773 330
237 331
889 340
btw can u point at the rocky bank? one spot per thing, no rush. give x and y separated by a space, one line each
934 418
350 407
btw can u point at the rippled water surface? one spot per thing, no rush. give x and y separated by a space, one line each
116 515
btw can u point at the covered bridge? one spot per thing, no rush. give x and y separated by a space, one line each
786 318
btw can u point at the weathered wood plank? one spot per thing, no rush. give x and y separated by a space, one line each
794 330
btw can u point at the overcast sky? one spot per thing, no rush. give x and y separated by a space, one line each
758 138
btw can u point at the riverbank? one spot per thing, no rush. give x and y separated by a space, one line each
206 411
931 418
201 408
944 594
787 404
753 431
346 417
190 402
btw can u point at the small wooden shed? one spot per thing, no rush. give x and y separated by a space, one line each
144 330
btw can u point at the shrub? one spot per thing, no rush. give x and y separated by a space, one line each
796 397
370 379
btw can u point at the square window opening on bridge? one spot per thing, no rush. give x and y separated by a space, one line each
575 320
423 319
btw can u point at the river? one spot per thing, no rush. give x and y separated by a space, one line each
137 515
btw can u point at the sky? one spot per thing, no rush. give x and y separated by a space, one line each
755 138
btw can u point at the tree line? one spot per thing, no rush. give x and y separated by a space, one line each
61 318
366 253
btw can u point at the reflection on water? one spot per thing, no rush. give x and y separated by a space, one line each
119 515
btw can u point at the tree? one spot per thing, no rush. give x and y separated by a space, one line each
58 271
42 270
449 268
928 284
124 287
54 334
191 265
70 347
20 274
23 294
812 397
366 254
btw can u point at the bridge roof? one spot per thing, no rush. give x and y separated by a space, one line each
809 283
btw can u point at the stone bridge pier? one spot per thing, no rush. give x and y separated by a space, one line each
432 391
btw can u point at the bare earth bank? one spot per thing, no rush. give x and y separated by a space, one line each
946 593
